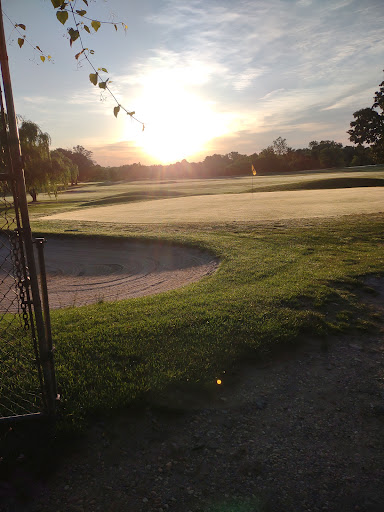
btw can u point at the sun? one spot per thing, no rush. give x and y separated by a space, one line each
178 122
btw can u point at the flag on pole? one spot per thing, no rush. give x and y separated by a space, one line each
253 170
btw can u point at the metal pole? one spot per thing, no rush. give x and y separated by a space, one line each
44 294
17 165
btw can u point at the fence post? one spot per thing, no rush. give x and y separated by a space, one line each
18 175
47 317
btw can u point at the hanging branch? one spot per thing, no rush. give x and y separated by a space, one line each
23 39
66 8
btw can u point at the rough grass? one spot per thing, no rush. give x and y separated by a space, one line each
277 283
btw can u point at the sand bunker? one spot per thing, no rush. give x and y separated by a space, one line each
85 271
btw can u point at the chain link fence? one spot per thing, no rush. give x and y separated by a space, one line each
21 382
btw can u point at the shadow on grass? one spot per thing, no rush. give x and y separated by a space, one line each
131 197
330 183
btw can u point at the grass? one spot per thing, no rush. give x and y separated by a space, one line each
277 283
99 194
328 183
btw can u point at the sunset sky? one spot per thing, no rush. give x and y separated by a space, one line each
209 76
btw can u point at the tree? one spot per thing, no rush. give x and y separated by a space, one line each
81 158
368 126
63 170
35 151
45 170
280 146
328 153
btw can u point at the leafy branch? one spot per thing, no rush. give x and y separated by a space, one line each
23 39
65 8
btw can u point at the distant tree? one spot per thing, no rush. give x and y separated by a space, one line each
45 170
301 159
327 153
368 126
267 161
82 158
240 165
35 150
280 146
215 165
63 171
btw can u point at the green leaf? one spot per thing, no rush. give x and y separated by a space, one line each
62 16
103 69
86 28
21 25
93 78
74 34
103 85
95 25
42 58
116 110
81 13
57 3
20 41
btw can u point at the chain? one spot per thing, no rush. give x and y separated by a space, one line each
19 274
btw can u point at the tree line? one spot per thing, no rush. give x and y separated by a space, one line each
275 159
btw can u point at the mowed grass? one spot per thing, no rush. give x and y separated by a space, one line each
218 208
278 282
89 195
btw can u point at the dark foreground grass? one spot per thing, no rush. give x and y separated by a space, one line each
277 283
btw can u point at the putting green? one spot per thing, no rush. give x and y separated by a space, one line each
236 207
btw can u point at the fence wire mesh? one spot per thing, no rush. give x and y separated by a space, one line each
20 374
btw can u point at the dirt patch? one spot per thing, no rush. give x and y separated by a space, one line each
300 432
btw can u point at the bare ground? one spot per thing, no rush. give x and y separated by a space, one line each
302 431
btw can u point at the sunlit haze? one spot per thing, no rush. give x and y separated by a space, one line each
204 77
179 122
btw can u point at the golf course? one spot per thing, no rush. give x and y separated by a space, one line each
218 345
292 250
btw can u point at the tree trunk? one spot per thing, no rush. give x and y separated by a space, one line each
33 194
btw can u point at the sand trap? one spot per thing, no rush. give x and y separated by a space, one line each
237 207
85 271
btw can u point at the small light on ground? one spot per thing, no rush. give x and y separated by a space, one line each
218 381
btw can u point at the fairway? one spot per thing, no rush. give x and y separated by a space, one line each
256 206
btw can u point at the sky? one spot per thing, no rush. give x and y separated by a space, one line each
204 76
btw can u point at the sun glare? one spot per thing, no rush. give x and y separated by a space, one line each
178 123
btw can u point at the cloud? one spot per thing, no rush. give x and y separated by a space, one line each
363 98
